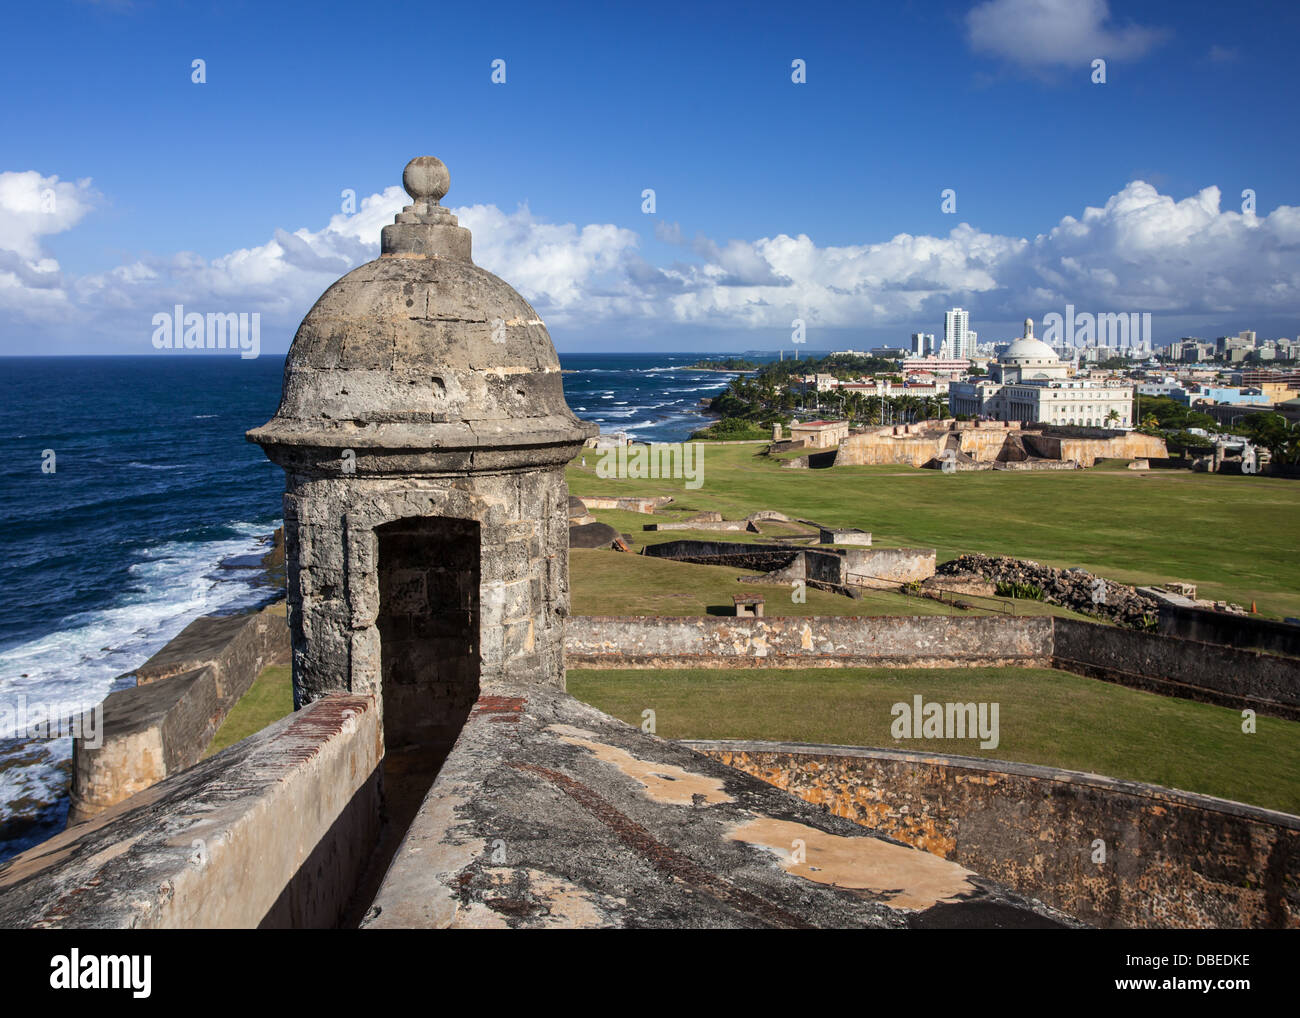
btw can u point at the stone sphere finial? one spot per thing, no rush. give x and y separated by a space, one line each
426 179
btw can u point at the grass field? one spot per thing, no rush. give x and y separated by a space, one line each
1045 717
269 699
1235 537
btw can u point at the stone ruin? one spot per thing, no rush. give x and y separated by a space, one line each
1076 589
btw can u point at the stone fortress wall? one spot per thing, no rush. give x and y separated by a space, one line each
162 725
1112 853
1210 673
839 569
190 845
274 831
985 443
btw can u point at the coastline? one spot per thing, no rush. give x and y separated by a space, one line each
42 767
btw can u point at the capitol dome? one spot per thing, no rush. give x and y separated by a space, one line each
1028 351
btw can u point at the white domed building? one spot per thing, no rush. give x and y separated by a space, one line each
1029 383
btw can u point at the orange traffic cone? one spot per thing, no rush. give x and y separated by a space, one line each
1252 608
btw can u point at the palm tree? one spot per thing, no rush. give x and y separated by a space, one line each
874 410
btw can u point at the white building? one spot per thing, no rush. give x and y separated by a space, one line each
1029 383
939 367
956 344
923 344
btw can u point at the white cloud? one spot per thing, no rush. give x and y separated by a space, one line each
557 267
33 207
1139 251
1045 33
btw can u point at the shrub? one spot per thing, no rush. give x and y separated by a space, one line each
1023 591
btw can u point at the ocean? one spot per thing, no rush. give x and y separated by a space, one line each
132 504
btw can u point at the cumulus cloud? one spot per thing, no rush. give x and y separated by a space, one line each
1046 33
560 267
1138 251
33 207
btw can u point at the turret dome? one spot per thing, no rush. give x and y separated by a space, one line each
421 349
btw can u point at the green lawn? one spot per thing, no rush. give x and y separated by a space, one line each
1045 717
1235 537
268 699
615 583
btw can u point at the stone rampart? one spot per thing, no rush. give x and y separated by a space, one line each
274 831
183 694
1109 852
1232 630
1086 446
1266 683
813 642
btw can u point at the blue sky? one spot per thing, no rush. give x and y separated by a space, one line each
773 199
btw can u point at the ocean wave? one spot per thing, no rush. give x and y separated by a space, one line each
79 662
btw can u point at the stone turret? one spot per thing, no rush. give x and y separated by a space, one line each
423 431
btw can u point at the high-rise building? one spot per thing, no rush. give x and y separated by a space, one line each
923 344
955 340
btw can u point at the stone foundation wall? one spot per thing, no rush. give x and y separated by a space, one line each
725 553
868 567
1172 859
733 526
184 692
647 504
862 567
